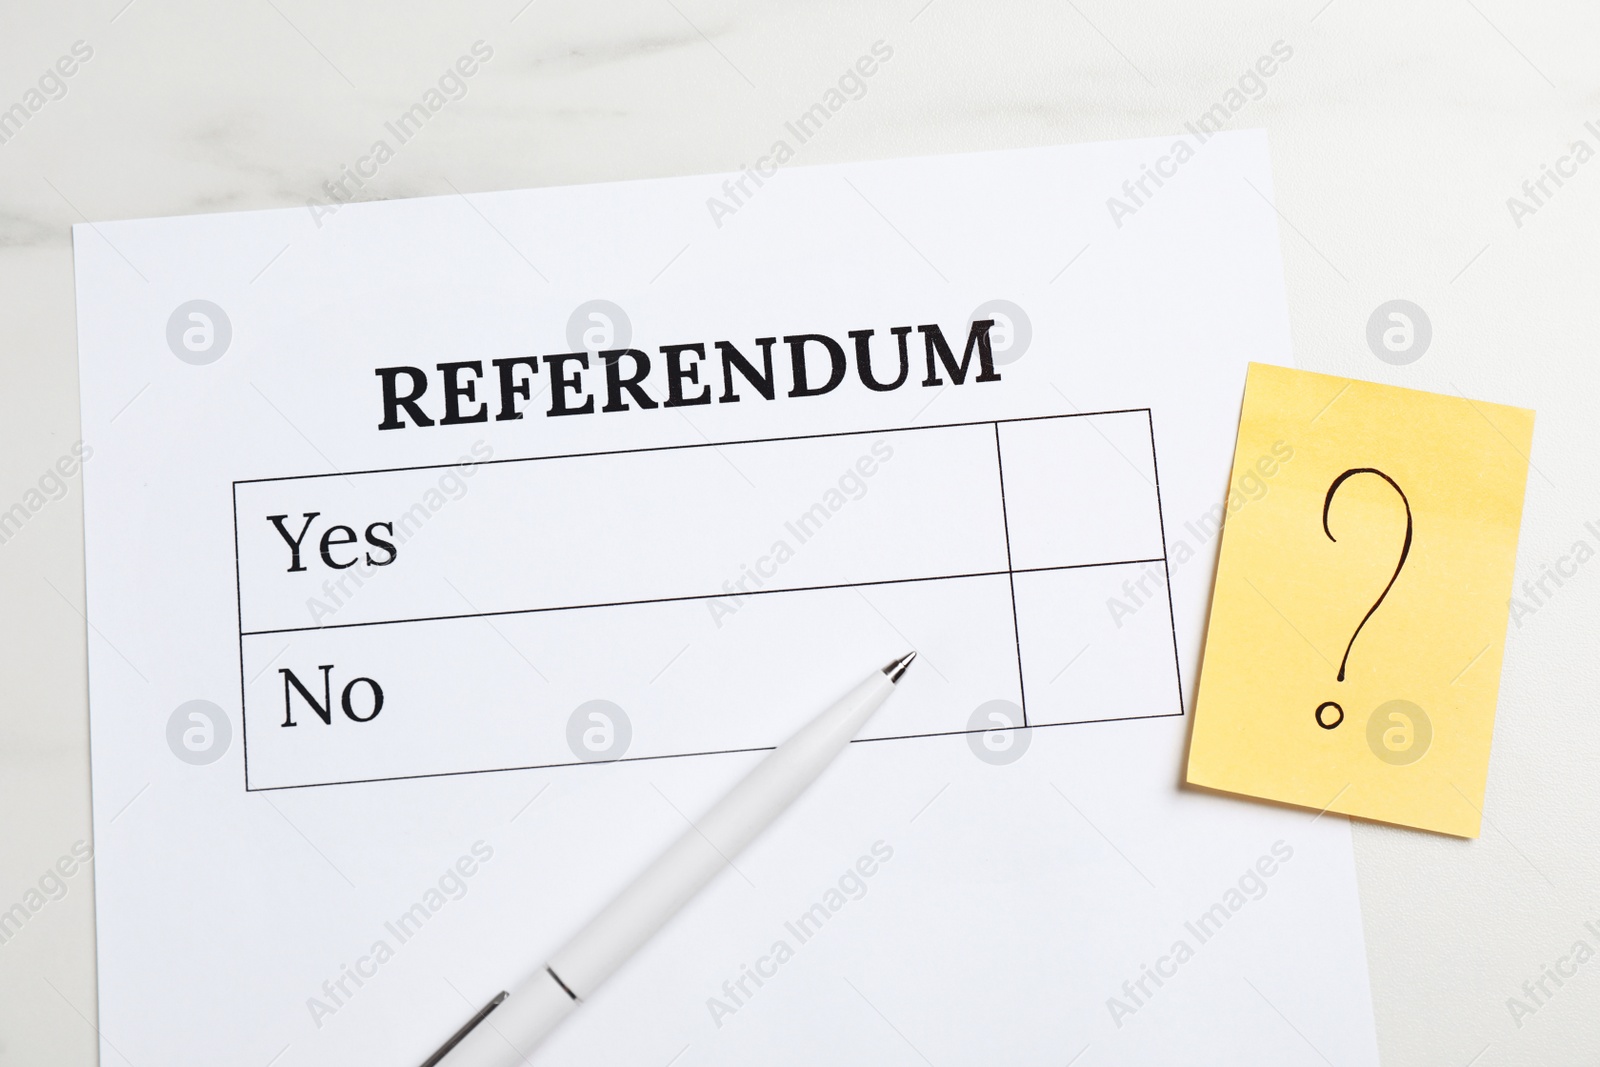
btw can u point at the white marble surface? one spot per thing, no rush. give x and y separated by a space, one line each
1398 132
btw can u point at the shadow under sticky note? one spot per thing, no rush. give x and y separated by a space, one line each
1352 661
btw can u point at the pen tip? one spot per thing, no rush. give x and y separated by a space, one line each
898 667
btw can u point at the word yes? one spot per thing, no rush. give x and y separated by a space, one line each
336 537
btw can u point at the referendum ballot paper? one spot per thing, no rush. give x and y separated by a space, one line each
448 557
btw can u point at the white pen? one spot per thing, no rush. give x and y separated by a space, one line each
506 1029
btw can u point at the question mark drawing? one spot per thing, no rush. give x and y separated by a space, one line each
1405 550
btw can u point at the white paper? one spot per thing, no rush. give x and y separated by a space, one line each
585 627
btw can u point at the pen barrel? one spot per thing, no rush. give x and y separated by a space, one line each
704 849
507 1036
509 1033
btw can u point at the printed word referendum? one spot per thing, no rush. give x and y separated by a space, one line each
688 375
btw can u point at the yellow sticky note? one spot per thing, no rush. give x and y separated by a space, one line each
1352 661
